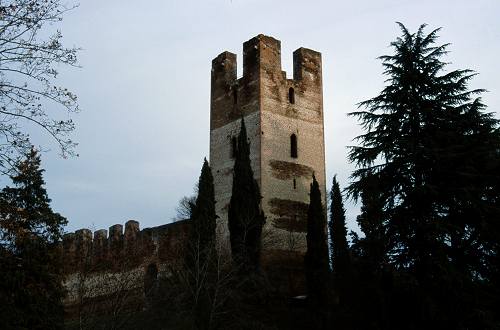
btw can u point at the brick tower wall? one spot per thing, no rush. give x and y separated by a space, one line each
262 96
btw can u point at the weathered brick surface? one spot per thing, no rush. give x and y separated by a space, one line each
262 96
284 170
222 162
92 261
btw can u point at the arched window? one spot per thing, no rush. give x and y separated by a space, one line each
293 146
234 147
291 95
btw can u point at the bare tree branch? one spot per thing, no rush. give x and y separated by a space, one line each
28 68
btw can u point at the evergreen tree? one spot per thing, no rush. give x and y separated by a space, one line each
372 248
339 248
430 150
369 292
245 217
203 213
316 258
31 290
201 254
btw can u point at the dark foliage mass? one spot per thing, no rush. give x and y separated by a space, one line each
245 217
202 264
31 289
427 174
339 248
30 57
203 215
316 259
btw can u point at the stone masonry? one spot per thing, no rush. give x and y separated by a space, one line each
277 110
284 119
124 256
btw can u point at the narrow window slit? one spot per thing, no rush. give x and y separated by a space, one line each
234 147
293 146
291 95
235 95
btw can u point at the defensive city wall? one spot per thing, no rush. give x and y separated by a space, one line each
99 250
118 262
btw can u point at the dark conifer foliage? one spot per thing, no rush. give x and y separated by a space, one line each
201 257
427 168
245 217
201 243
316 259
339 248
31 292
372 249
203 214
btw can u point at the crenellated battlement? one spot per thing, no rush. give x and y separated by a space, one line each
263 53
307 66
101 251
232 97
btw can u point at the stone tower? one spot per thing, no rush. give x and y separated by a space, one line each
284 119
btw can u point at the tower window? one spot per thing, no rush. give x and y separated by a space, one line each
294 183
235 95
234 147
293 146
291 95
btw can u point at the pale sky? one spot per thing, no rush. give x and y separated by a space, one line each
144 87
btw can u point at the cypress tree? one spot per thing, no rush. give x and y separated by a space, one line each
339 248
316 258
201 254
203 211
245 217
201 242
31 288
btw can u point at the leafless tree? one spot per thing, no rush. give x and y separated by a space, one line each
202 287
105 295
29 58
184 210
